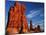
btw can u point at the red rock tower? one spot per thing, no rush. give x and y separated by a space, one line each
17 20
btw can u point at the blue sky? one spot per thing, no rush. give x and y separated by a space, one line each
34 12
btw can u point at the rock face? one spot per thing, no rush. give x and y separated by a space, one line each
17 21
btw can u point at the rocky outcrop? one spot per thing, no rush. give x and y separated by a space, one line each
17 21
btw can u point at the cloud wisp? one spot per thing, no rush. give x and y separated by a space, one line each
34 13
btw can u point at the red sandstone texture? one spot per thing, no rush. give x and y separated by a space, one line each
17 19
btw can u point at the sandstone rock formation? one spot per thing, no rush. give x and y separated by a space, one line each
17 19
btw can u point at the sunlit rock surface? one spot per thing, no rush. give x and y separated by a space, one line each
17 19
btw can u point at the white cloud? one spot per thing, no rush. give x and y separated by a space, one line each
33 13
29 16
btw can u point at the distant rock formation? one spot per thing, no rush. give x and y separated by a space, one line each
36 29
30 25
17 21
